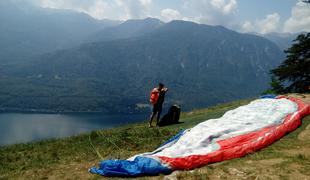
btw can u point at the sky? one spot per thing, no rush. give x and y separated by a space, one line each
261 16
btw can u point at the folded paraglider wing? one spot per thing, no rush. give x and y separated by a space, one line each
238 132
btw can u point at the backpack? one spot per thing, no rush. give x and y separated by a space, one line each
154 96
172 117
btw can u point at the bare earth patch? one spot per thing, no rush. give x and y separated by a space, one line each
266 162
305 135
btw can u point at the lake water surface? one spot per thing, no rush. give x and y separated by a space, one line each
23 127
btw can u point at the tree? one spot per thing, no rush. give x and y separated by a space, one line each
293 75
306 1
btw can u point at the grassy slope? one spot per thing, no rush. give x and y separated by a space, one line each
70 158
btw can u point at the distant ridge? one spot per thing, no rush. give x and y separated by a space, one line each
27 30
202 65
128 29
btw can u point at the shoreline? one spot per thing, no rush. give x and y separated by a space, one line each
82 121
46 159
146 113
43 111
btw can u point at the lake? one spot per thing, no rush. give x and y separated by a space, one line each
26 127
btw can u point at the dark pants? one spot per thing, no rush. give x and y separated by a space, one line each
157 108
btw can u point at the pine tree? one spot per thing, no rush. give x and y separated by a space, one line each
306 1
276 85
293 75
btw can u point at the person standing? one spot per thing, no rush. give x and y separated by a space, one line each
157 99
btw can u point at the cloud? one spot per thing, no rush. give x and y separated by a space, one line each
112 9
248 26
134 9
170 14
299 20
68 4
213 12
224 6
95 8
270 24
98 10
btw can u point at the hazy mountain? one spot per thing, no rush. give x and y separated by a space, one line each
27 30
202 65
283 40
128 29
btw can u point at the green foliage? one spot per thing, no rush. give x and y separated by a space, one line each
276 87
293 75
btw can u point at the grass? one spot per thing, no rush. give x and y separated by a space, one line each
69 158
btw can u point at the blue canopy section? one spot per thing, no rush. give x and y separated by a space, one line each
174 138
268 96
139 166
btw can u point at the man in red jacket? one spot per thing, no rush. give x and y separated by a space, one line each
157 99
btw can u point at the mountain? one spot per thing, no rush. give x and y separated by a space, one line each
283 40
27 30
201 65
128 29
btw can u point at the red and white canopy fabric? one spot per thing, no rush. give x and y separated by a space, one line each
238 132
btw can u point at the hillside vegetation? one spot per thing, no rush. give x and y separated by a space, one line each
71 157
204 65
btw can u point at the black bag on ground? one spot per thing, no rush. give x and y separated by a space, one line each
172 117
